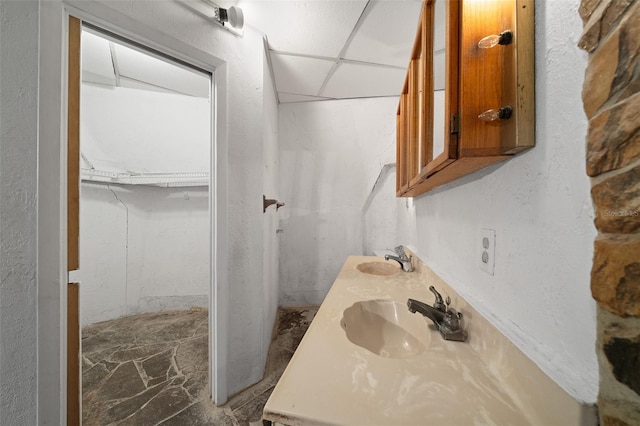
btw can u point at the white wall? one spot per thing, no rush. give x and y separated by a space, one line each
538 203
18 189
142 249
133 130
331 153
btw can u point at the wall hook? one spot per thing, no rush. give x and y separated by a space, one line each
266 202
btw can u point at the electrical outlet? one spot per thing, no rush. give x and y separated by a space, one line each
487 250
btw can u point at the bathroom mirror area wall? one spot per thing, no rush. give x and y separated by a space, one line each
450 116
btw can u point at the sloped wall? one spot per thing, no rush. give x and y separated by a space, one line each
133 130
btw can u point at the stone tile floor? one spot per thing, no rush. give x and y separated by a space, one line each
152 369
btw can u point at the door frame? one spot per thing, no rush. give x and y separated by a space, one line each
52 193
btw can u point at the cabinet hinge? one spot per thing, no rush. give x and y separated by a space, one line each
455 123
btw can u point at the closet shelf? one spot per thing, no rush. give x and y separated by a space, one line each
167 180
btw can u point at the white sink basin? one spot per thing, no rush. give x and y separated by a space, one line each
378 268
386 328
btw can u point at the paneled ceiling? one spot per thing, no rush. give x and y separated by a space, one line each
336 49
318 50
111 63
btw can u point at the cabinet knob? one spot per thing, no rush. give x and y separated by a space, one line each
496 114
504 38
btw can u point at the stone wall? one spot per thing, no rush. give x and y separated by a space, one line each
611 99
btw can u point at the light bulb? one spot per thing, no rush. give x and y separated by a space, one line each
490 41
495 114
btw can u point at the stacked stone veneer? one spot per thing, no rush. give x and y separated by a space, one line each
611 96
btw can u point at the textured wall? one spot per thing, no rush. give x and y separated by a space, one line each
142 249
331 153
611 98
18 180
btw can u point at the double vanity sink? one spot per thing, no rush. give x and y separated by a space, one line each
367 360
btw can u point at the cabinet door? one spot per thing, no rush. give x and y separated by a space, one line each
468 99
441 84
497 77
402 143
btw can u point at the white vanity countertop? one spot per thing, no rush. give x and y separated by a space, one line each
330 380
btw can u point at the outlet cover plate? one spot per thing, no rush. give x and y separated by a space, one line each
487 253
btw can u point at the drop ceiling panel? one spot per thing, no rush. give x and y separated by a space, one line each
352 80
386 33
97 66
318 28
141 67
299 75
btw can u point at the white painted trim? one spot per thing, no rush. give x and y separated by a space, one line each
52 215
52 194
218 310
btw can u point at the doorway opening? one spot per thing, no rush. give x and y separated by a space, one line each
145 228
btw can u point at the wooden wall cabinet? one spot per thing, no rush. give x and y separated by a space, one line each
451 81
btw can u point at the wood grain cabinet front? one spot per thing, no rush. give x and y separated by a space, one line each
468 97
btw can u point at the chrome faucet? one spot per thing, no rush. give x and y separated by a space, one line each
401 258
446 319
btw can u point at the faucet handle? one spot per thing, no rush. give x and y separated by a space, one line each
399 250
438 304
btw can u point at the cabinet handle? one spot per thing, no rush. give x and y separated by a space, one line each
496 114
504 38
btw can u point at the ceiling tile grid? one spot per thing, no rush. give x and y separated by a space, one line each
318 50
336 49
386 33
315 28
